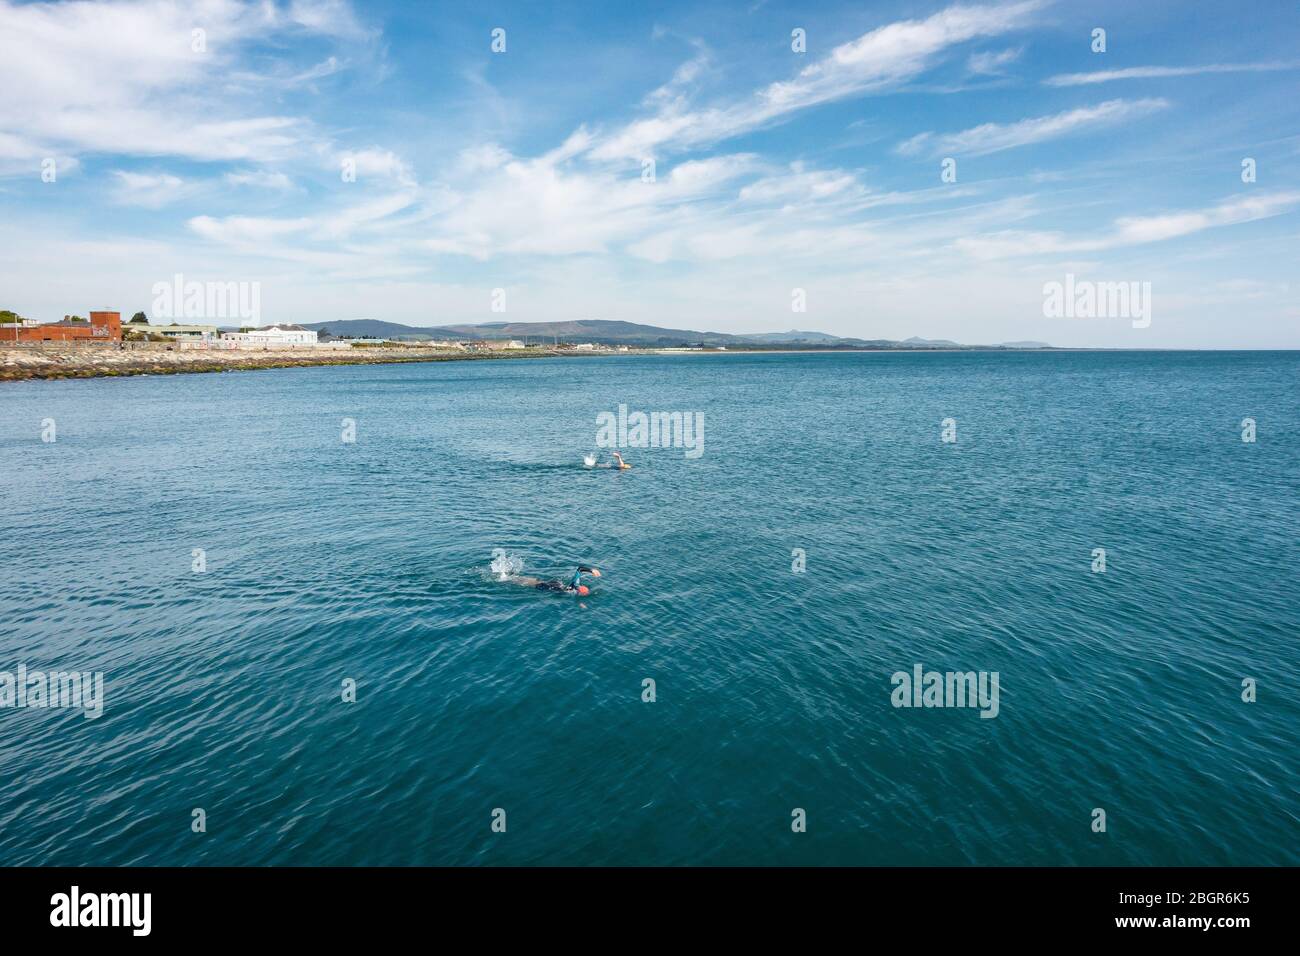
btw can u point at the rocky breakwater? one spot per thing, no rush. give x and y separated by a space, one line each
65 360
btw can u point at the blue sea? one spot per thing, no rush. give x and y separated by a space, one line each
325 561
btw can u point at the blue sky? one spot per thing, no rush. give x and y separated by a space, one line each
774 170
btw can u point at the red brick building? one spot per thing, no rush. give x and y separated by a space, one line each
103 327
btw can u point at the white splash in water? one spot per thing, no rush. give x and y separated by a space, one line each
589 460
504 565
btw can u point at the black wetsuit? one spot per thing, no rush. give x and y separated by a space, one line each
553 586
572 585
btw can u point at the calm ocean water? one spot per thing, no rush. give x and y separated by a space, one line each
328 560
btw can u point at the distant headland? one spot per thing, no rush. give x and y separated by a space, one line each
631 334
106 346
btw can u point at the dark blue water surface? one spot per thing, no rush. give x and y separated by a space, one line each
329 560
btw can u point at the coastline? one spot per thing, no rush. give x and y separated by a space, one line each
78 362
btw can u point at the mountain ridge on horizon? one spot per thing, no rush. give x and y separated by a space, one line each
616 332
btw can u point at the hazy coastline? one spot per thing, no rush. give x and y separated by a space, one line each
81 361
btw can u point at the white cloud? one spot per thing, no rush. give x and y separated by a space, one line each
1158 72
328 18
697 175
993 64
20 156
1131 230
327 67
683 78
802 185
149 190
544 207
259 178
501 206
994 137
245 230
122 77
266 234
880 59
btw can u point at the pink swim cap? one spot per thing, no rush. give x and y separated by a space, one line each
584 590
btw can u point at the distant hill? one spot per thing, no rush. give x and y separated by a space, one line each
596 330
375 328
930 343
626 333
795 337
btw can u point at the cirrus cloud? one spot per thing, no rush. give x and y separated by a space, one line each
995 137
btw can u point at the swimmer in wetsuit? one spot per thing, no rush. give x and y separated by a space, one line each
573 586
622 465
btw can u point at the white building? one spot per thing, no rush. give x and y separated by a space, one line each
271 337
201 333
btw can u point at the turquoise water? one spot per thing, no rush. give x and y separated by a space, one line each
329 560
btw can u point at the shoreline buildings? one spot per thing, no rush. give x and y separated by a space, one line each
271 336
102 327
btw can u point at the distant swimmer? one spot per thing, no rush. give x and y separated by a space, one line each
573 586
622 465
